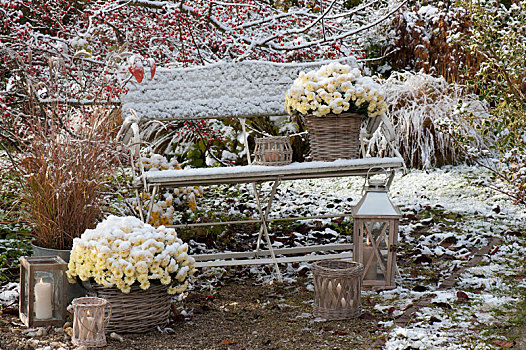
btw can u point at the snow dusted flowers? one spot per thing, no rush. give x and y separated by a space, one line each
122 251
335 88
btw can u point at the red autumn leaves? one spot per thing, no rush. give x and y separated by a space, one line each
136 67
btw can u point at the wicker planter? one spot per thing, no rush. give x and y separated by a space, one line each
138 311
334 136
337 289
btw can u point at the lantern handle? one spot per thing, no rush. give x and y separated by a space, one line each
107 319
388 179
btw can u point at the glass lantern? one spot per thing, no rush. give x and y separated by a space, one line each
42 291
375 235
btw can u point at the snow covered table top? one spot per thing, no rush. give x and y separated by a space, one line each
261 173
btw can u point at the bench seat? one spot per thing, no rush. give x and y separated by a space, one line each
261 173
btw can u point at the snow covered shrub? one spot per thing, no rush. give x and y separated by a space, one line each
335 88
165 206
427 120
498 36
195 143
123 251
422 38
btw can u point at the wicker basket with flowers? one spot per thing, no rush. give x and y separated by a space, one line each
136 267
334 100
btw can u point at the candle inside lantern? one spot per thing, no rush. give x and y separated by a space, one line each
43 307
274 155
87 325
371 273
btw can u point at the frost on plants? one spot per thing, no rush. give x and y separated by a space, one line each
123 251
333 89
427 120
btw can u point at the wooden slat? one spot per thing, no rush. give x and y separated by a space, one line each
264 261
277 251
253 221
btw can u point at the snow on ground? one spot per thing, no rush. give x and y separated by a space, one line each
460 212
452 216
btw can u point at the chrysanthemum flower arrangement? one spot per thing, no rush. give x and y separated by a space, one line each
333 89
163 210
123 251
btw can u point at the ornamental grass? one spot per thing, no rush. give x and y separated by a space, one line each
63 164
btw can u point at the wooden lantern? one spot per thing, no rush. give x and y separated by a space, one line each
42 291
375 235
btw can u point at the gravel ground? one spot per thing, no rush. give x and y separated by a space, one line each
238 315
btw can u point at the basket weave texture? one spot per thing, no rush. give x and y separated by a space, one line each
334 136
85 333
273 150
138 311
337 289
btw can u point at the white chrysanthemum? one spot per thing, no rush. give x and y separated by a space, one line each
129 280
178 290
142 278
145 285
165 280
181 275
123 251
334 81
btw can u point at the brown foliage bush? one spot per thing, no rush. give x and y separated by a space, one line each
63 171
426 38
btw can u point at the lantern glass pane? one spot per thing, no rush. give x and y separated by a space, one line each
376 237
24 301
58 294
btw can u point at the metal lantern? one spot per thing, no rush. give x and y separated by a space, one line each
375 235
42 291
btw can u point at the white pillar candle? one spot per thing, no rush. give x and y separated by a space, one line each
43 307
86 327
371 273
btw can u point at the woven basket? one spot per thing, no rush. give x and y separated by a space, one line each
273 150
334 136
337 289
138 311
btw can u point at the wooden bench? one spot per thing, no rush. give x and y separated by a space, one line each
241 90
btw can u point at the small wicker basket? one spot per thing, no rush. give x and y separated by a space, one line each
334 136
138 311
337 289
273 150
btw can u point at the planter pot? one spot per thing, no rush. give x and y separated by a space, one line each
139 311
74 290
334 136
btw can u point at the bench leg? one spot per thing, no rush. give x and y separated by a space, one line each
150 207
263 214
139 203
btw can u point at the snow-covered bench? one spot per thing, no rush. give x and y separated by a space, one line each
241 90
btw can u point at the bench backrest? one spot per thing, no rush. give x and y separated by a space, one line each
220 90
